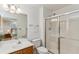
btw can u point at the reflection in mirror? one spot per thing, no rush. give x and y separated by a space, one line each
21 26
13 27
8 28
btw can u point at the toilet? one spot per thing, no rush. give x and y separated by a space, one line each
38 45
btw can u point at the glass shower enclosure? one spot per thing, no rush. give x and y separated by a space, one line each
62 34
52 34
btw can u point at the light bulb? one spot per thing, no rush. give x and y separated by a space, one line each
12 11
18 10
6 7
12 8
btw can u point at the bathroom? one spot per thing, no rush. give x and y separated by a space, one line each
39 28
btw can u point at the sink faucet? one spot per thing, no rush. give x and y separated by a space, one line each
19 42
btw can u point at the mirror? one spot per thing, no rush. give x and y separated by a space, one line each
13 26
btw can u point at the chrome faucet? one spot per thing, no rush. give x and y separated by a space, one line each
19 42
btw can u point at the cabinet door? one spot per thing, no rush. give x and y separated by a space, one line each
28 50
17 52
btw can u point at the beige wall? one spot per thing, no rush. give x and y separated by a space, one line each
44 12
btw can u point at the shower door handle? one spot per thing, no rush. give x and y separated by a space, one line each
61 37
59 43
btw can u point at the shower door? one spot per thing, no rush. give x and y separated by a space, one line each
52 34
69 33
62 34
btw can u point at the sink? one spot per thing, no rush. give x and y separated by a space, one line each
16 46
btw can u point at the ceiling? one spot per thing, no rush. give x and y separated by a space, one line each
52 7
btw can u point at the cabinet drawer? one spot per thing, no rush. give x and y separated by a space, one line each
28 50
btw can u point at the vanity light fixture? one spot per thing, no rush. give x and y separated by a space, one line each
12 8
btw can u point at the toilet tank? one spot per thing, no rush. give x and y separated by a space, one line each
37 42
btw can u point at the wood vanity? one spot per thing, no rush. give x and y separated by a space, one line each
12 47
28 50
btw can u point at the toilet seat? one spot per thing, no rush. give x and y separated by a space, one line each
42 50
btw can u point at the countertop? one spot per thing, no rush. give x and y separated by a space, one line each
13 45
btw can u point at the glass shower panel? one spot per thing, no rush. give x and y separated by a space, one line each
73 31
52 29
69 43
69 46
63 26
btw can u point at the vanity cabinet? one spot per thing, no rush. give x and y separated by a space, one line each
28 50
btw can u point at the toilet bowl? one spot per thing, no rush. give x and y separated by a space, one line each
40 49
